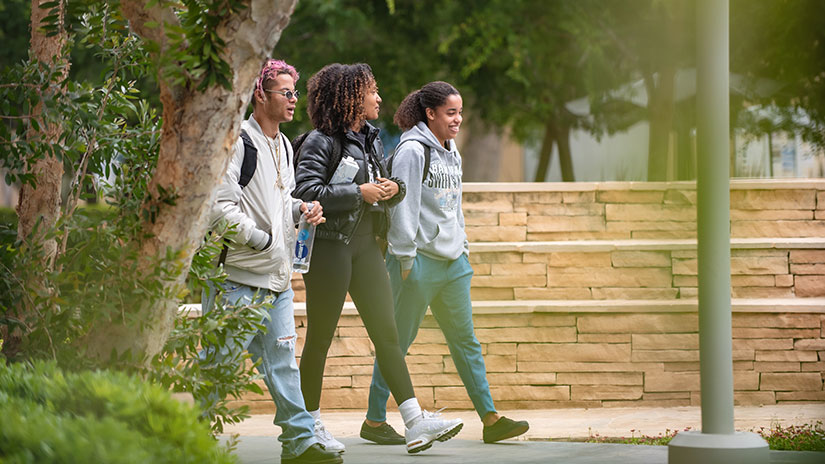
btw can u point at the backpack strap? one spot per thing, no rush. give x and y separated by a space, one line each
250 160
427 155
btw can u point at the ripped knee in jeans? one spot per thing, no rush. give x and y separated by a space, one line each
287 341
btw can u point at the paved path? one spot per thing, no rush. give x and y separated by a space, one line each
258 443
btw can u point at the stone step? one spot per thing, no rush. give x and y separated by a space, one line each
640 245
739 305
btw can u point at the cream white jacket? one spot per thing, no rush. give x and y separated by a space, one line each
259 207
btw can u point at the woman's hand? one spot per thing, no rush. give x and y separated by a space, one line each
314 216
371 192
388 187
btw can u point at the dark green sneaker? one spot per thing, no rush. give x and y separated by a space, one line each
382 435
315 454
503 429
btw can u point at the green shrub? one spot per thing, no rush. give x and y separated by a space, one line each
51 416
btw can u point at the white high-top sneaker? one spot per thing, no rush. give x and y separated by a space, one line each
429 429
326 439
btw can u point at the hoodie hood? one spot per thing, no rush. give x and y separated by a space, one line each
422 133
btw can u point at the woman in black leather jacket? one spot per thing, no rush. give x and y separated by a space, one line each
346 256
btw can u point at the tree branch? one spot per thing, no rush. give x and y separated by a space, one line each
149 23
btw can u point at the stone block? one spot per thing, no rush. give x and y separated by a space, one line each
660 227
522 378
491 294
743 355
551 320
749 332
762 292
501 320
776 366
687 267
629 196
482 268
604 338
489 202
495 257
777 320
745 380
753 398
639 323
605 392
572 259
527 335
663 235
608 277
502 348
425 359
579 197
351 361
674 403
345 369
430 335
810 344
752 280
772 215
820 199
496 233
649 212
428 349
350 347
635 293
666 396
510 219
529 200
509 281
784 199
640 259
799 381
671 382
346 398
680 197
784 280
335 382
685 281
552 293
530 393
806 396
350 332
581 209
818 366
481 218
664 355
568 366
807 256
753 265
665 341
763 344
565 224
581 352
790 355
682 367
493 363
756 229
819 214
518 269
567 236
600 378
798 269
436 380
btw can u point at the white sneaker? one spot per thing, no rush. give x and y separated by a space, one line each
326 439
430 428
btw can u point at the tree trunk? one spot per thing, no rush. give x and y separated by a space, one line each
546 151
565 156
199 129
660 114
38 206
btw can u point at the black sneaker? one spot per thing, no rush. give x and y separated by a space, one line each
315 454
503 429
384 434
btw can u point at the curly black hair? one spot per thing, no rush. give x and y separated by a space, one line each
412 109
335 96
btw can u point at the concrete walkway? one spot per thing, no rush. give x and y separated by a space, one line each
258 442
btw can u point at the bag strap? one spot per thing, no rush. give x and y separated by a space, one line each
427 155
250 160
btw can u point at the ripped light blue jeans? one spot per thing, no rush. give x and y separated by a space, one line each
275 348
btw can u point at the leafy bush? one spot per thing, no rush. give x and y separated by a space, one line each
50 416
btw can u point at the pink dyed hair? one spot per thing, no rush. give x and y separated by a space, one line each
271 69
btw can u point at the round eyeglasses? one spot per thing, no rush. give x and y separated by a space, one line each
289 94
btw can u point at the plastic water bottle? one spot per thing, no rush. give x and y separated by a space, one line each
303 245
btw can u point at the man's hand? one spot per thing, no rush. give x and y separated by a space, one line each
314 216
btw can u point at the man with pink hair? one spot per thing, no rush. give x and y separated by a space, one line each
258 262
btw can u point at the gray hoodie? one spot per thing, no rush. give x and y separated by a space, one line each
429 219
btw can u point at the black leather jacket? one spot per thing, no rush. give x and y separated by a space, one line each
343 204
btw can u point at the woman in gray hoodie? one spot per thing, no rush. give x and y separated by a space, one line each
427 254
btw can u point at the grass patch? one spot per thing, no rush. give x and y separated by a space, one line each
806 437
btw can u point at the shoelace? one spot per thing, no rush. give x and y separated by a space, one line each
432 415
322 431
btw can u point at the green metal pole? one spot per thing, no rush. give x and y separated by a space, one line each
713 210
718 442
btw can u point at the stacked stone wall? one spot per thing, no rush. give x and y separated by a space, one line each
585 295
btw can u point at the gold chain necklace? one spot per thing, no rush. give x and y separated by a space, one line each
276 156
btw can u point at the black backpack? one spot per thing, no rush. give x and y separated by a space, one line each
427 151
